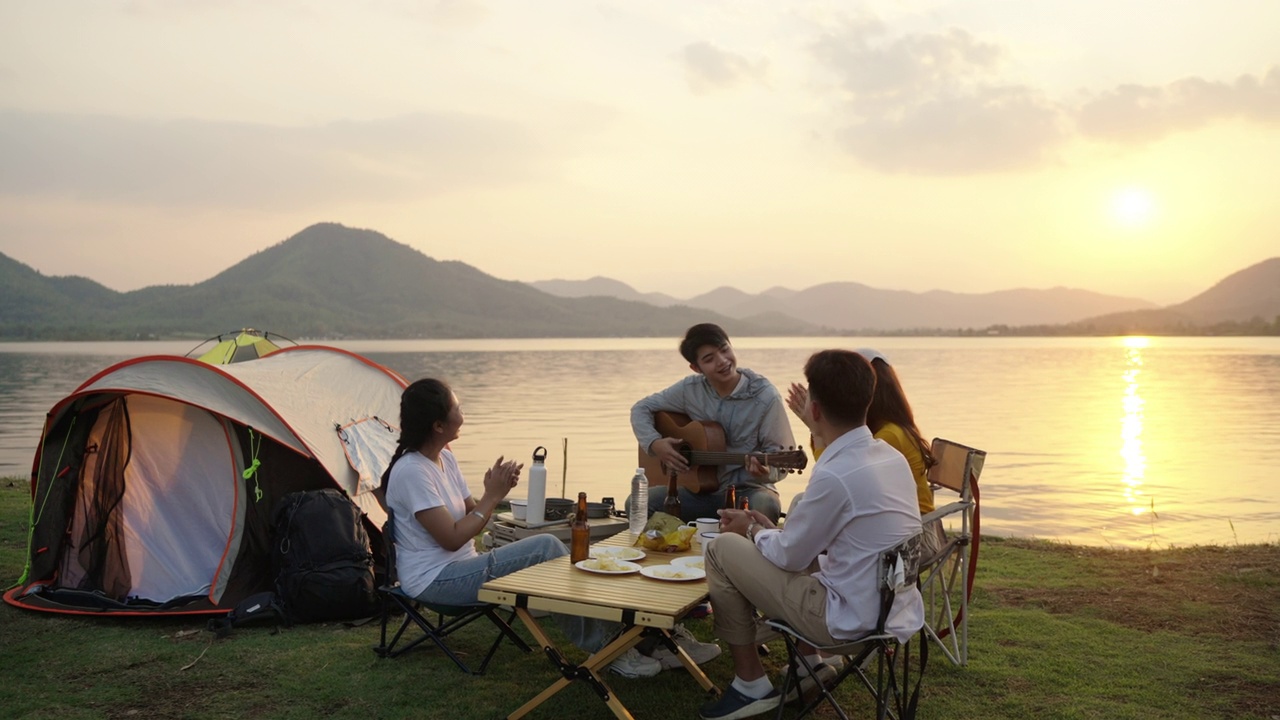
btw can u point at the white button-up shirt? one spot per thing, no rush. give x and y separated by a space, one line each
860 501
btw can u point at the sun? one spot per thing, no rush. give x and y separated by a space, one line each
1133 207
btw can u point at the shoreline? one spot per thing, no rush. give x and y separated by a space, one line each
15 482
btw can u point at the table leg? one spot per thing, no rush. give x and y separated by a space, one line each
586 671
690 665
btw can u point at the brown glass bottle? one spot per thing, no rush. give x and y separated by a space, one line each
746 503
580 532
671 505
731 498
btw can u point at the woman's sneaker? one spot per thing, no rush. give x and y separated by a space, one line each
697 651
634 665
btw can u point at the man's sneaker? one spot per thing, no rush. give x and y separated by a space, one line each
826 671
634 665
733 704
699 652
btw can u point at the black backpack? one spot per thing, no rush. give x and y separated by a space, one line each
321 554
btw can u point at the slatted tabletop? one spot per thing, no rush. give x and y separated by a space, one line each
558 586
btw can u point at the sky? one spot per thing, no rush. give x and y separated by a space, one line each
1128 147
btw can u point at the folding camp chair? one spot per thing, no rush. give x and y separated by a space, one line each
898 572
447 618
946 579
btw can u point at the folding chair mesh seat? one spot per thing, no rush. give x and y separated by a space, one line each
447 618
947 577
890 687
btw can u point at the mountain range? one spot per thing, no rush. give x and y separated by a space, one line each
331 281
854 307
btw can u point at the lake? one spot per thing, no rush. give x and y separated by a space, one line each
1126 442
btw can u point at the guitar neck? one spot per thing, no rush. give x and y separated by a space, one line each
704 457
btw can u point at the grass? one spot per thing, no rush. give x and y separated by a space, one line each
1057 631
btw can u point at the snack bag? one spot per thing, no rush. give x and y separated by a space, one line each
665 533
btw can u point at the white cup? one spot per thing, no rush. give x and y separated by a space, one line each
706 524
704 538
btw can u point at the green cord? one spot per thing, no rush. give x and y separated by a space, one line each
252 470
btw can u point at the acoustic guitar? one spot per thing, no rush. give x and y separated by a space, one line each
703 446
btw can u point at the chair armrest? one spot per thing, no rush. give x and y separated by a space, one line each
944 511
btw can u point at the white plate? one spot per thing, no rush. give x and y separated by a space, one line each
617 553
693 561
627 567
687 572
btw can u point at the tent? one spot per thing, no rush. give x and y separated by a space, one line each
238 346
154 481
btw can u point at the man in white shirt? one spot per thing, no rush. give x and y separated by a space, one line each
819 571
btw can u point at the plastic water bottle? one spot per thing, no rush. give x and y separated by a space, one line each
638 516
537 511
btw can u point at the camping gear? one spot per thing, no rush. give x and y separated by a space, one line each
537 504
420 614
324 568
239 346
154 481
558 508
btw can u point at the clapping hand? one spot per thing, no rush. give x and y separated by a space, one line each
798 401
502 477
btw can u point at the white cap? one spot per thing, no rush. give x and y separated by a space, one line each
871 354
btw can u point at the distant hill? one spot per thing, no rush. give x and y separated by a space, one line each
851 307
1250 293
331 281
603 287
1244 302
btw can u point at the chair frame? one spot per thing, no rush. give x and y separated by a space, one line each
898 571
448 618
956 468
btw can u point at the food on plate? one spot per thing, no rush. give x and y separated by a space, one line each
674 572
606 563
618 553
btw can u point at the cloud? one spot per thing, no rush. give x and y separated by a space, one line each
212 164
933 103
707 68
1143 113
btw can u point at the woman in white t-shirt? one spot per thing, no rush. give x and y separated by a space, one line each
437 519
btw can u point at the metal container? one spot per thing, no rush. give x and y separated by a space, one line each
559 508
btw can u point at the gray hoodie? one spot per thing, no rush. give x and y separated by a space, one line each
753 417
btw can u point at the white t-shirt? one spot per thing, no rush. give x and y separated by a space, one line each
416 483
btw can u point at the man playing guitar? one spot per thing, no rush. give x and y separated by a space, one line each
745 404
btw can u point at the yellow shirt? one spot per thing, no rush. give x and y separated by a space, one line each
901 441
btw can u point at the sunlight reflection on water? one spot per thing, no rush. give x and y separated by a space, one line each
1099 441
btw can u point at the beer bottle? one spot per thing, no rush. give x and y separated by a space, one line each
580 532
746 503
671 505
731 498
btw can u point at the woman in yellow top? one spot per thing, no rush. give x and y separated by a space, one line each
890 419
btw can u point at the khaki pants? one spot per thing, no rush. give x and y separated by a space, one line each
742 581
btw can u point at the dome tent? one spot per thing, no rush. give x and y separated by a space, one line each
239 346
154 481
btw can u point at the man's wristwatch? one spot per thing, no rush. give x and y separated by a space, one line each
751 530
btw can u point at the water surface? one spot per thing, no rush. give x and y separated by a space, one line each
1102 441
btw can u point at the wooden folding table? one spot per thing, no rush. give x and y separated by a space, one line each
639 603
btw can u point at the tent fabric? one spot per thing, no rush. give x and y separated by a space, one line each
248 344
369 444
147 497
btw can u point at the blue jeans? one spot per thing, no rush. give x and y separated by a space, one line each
693 506
459 584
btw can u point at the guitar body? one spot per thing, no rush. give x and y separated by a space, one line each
696 436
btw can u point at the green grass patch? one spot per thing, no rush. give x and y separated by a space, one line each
1057 631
